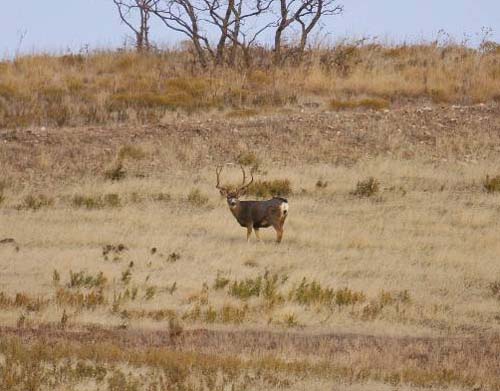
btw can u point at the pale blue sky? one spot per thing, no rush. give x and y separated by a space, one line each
59 25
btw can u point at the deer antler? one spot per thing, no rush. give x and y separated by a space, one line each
218 170
244 186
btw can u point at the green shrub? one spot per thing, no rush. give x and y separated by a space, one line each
366 188
111 200
220 281
495 289
274 188
35 202
492 185
265 286
81 279
88 300
311 292
115 173
150 292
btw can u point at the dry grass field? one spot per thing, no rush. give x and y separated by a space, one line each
121 267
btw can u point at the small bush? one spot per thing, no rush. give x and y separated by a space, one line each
56 277
245 289
36 202
81 279
173 257
197 198
366 188
161 197
220 281
126 276
150 292
495 289
115 173
109 249
290 320
265 286
232 314
311 292
88 300
492 185
320 184
346 296
372 103
274 188
111 200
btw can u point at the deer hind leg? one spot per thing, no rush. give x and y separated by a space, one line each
249 232
279 231
256 230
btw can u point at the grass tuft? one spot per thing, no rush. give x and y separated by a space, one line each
273 188
492 185
197 198
367 188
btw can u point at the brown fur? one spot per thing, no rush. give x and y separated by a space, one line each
254 214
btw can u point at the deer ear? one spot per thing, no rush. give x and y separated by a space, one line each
223 192
242 192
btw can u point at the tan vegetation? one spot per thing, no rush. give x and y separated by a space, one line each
387 277
109 87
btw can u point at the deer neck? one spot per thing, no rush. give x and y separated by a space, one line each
236 210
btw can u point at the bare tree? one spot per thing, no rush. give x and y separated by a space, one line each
213 25
184 16
304 13
136 14
240 22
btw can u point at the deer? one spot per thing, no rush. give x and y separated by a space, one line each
254 215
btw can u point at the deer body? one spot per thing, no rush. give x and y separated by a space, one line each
254 215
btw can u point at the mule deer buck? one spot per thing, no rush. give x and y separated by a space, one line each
254 214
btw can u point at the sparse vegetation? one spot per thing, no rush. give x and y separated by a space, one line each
197 198
273 188
110 200
116 172
156 295
35 202
366 188
81 279
492 185
80 92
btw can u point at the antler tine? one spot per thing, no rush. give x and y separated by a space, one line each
243 185
244 175
218 170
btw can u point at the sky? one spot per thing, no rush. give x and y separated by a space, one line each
59 26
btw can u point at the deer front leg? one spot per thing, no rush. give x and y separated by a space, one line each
249 232
256 230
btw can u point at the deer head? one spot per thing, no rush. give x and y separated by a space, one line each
233 195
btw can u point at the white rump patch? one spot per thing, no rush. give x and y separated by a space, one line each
284 208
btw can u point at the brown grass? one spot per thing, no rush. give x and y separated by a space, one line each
113 87
138 265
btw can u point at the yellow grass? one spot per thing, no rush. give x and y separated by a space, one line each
437 244
111 87
121 266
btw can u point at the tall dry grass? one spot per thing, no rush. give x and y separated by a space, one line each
111 87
